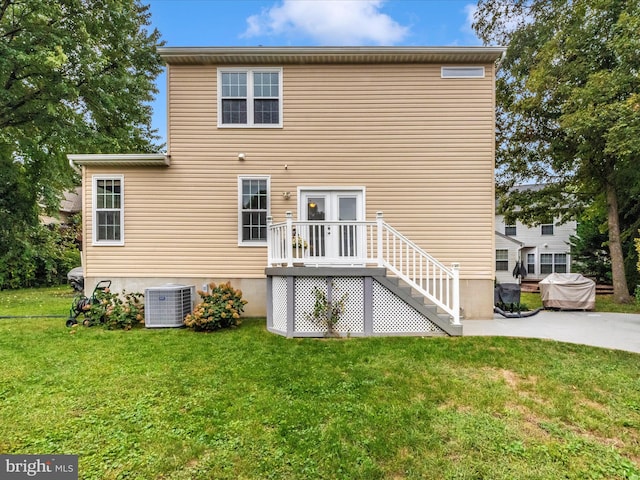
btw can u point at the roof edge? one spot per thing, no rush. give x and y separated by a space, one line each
328 54
507 237
130 159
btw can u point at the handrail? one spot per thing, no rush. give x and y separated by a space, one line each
421 271
313 243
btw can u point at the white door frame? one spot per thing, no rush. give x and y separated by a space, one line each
331 245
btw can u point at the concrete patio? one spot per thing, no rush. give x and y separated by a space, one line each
619 331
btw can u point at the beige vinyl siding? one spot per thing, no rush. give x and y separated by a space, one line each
422 146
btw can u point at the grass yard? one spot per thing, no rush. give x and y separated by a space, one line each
36 301
246 404
604 303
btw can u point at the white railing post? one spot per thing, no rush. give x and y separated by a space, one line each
269 241
289 238
379 223
455 268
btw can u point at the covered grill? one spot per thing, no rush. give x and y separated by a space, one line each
568 291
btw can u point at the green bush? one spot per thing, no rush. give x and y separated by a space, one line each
220 308
42 257
115 312
327 313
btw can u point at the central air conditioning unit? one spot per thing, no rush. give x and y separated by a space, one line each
167 305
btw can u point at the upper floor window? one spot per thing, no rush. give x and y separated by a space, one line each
250 97
108 210
253 196
546 229
462 72
510 230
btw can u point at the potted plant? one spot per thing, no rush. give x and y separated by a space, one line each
299 246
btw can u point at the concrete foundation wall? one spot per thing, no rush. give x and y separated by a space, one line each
476 296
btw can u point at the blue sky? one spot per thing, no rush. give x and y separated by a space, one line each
307 23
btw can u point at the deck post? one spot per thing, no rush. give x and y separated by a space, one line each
289 238
455 267
269 240
379 222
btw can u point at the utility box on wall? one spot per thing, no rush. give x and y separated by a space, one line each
167 305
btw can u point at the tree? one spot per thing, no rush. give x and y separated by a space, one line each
589 254
77 76
568 108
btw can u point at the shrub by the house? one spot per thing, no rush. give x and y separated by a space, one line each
221 307
114 311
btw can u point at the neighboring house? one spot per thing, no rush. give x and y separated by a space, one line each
333 135
542 249
70 204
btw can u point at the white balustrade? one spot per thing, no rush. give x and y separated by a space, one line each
363 243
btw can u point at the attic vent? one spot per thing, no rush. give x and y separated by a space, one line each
462 72
166 306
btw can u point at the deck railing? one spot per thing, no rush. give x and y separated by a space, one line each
311 243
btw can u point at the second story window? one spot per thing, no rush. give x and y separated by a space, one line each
250 97
510 230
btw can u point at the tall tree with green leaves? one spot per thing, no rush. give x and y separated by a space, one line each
76 76
568 108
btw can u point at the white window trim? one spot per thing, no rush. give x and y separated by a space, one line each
543 225
94 204
515 228
249 71
241 178
535 267
450 72
556 264
304 190
506 250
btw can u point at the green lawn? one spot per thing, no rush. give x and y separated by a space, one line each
604 303
247 404
36 301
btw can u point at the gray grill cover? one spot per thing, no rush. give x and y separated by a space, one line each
568 291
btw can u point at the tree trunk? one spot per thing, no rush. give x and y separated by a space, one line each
620 289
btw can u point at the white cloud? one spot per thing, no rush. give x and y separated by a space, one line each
329 22
470 10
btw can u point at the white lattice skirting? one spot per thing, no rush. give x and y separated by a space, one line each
370 307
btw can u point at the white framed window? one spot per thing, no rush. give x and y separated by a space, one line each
531 263
250 97
560 262
546 228
108 210
510 230
553 263
253 209
546 263
462 72
502 260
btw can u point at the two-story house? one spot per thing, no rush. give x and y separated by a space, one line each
540 249
383 155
